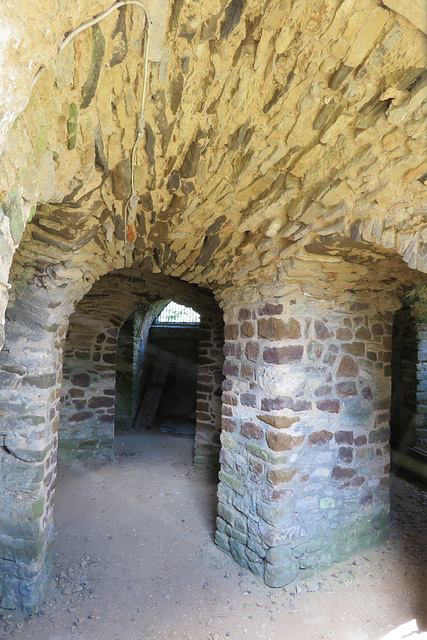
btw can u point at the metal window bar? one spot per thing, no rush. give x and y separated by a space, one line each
175 313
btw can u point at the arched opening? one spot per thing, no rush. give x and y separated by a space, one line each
124 371
170 372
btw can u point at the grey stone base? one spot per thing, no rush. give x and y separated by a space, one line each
301 558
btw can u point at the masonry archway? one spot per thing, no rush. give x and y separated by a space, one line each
89 382
292 192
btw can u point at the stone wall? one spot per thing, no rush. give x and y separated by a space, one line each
124 377
88 389
209 381
30 388
305 442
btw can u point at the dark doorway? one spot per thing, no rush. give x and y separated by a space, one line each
169 375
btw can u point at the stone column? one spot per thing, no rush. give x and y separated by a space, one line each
209 380
305 452
30 382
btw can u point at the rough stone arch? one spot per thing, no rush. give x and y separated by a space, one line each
88 388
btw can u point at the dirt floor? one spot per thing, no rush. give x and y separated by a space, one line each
135 560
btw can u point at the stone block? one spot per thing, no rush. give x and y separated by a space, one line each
345 454
344 334
348 368
248 400
251 431
227 512
252 351
278 422
270 309
281 476
283 355
238 551
231 331
222 540
247 330
331 406
321 330
342 473
277 329
354 348
281 441
273 515
283 572
319 438
347 388
344 437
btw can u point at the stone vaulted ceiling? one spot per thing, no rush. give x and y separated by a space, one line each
281 140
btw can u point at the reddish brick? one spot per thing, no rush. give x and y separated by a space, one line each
321 330
229 349
344 437
354 348
344 334
96 402
340 473
277 329
248 400
251 431
228 425
363 333
244 314
331 406
283 355
348 368
357 482
318 438
230 369
345 454
252 351
270 309
247 330
346 388
246 371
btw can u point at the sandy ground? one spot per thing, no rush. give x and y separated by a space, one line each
135 560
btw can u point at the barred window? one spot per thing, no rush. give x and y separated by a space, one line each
175 313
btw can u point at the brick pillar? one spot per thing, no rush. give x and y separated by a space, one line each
209 380
305 452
